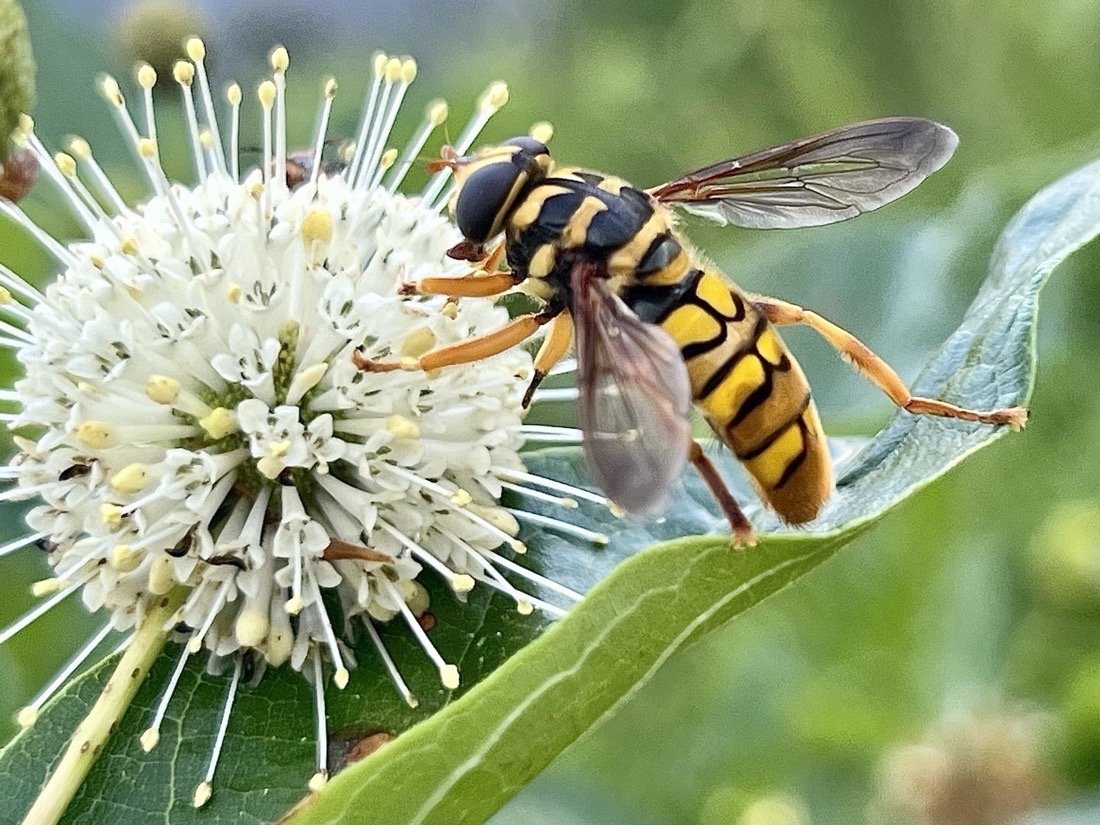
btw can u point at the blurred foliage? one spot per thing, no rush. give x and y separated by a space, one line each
984 585
16 71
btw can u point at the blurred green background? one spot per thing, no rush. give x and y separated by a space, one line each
946 667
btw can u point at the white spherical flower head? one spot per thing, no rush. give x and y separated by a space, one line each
192 419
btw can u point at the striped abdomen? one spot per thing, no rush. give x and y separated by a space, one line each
748 386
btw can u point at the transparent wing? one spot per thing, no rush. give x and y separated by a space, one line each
635 397
817 180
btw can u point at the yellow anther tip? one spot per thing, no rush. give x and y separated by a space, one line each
380 61
496 96
94 434
196 49
438 110
542 131
146 76
183 72
26 123
108 87
131 478
280 59
147 148
408 70
149 739
233 94
317 226
340 678
318 781
66 163
79 147
388 158
393 70
202 794
448 675
266 93
219 423
27 716
331 86
45 586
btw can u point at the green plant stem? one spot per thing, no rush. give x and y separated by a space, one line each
92 733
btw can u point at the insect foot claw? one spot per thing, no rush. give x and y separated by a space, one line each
1015 417
366 364
742 539
408 288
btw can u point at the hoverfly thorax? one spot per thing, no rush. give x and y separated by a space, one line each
490 183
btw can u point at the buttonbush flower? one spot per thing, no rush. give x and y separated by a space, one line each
206 456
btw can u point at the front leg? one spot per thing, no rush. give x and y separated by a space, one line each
483 282
463 352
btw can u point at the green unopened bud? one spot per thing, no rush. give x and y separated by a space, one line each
16 71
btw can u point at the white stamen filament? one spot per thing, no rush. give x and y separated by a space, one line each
391 667
552 435
531 575
556 395
340 677
367 123
567 503
206 787
195 643
322 130
151 736
320 776
41 609
17 286
79 147
233 97
436 114
448 673
197 52
185 79
29 714
21 542
279 62
561 526
47 164
47 242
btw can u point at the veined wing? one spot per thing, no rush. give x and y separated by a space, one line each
817 180
635 397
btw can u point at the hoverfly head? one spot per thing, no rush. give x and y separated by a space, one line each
490 183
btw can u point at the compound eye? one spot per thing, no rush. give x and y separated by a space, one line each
484 199
528 145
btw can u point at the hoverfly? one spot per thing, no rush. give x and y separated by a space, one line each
657 329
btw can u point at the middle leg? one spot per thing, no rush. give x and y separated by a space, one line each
463 352
743 535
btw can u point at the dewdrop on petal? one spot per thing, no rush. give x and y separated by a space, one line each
193 421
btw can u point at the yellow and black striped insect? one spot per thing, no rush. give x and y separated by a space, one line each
656 329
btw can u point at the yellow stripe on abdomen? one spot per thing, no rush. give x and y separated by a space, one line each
755 396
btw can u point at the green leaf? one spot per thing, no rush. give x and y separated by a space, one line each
460 756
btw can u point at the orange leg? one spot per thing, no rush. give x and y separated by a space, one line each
478 284
743 535
483 282
558 340
878 372
463 352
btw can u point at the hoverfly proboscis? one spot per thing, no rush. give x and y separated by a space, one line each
656 329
